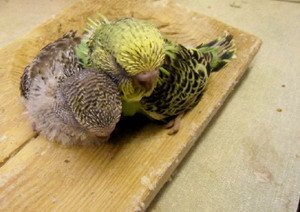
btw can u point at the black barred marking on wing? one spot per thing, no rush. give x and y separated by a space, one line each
184 75
182 88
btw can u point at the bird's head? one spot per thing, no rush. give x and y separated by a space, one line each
95 102
138 49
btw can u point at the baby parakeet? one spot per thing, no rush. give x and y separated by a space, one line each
130 49
65 102
157 77
182 80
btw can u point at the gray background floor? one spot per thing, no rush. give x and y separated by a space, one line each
260 122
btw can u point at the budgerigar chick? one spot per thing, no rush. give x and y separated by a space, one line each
182 80
66 103
130 49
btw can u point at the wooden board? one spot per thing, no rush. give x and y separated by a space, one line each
126 173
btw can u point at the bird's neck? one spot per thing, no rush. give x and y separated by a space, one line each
130 93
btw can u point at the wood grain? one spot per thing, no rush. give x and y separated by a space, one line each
126 173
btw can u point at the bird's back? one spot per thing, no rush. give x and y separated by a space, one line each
182 79
184 75
52 65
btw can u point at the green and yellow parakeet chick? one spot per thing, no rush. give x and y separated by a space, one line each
131 50
66 103
182 80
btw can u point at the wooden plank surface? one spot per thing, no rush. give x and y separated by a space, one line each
129 171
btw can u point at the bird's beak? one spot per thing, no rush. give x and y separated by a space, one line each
103 132
146 79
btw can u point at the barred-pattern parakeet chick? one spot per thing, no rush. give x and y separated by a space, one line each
66 103
128 48
182 80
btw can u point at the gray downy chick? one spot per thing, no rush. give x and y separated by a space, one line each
66 103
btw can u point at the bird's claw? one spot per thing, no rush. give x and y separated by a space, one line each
174 125
170 124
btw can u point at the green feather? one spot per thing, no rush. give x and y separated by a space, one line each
130 108
222 50
82 52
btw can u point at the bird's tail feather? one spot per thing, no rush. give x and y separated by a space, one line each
222 49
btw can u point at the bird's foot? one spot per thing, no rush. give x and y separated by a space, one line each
170 124
174 124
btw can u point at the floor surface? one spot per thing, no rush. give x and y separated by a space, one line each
260 121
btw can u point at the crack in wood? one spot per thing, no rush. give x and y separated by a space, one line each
17 150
